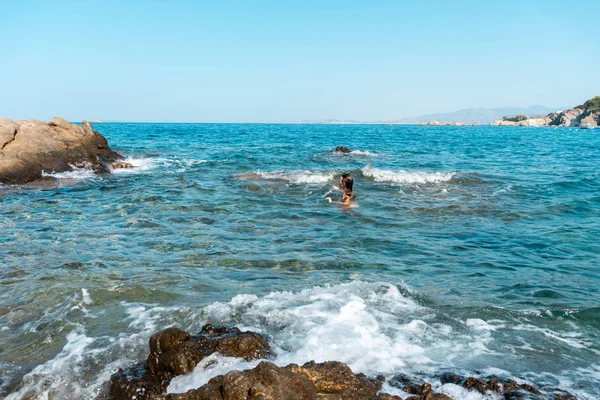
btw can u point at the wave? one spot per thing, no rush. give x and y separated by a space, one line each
401 176
140 165
376 328
297 177
355 153
77 174
150 163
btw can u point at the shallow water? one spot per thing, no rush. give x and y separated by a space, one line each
471 249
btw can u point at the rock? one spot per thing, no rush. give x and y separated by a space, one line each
568 118
175 352
477 384
324 381
121 164
590 120
28 148
433 123
342 149
450 378
542 121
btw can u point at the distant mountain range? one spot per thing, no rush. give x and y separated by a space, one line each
476 116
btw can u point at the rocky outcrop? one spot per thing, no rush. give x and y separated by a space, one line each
175 352
29 148
586 115
437 123
341 149
541 121
567 118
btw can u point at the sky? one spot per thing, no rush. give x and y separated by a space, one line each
291 61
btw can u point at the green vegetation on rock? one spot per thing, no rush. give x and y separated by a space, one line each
518 118
590 105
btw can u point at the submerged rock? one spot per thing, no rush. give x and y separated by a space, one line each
28 148
342 149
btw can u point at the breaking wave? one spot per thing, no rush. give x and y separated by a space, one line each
297 177
400 176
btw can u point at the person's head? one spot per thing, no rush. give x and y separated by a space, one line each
346 182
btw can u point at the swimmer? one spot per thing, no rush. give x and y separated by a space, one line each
346 183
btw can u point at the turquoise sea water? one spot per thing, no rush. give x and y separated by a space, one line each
471 249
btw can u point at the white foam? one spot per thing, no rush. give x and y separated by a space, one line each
77 174
356 153
54 377
373 327
87 299
208 368
404 177
297 177
376 328
142 165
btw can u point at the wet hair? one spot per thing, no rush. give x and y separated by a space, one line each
347 183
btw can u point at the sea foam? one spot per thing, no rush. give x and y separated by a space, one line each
296 177
405 177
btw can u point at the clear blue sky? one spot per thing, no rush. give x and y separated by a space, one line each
290 61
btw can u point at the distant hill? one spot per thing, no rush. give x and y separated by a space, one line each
482 116
586 115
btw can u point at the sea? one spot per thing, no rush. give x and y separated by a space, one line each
471 250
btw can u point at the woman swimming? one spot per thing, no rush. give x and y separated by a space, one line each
346 183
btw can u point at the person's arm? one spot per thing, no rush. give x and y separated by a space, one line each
346 201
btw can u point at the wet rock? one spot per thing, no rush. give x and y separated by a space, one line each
326 381
342 149
175 352
509 389
475 384
451 378
121 164
407 383
560 394
27 148
422 391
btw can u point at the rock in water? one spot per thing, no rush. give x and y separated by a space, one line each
342 149
28 148
327 381
175 352
121 164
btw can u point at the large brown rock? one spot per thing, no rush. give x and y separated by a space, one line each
28 148
175 352
325 381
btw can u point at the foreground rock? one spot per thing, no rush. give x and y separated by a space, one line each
586 115
325 381
175 352
29 148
